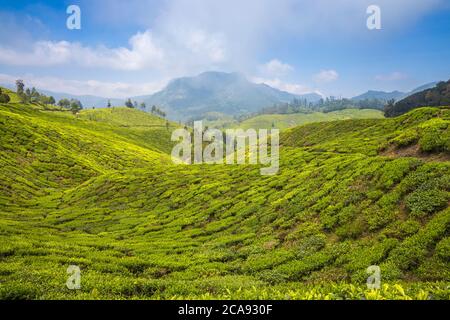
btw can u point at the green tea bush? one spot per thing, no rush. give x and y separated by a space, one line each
443 249
435 136
423 202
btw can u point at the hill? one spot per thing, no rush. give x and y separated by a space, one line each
285 121
98 192
228 93
436 96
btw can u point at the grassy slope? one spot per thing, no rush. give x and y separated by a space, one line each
139 226
285 121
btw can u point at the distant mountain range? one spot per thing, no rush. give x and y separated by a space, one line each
218 92
397 95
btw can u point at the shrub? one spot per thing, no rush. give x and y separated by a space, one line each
435 136
406 138
423 202
402 229
4 98
443 249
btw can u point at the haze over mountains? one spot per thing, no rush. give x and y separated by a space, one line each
226 93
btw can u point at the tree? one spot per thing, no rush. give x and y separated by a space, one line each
135 104
109 104
143 106
51 100
4 98
167 124
20 87
65 103
153 109
389 109
75 106
128 103
34 92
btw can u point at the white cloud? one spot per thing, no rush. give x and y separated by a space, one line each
394 76
185 37
276 68
326 76
294 88
88 87
143 53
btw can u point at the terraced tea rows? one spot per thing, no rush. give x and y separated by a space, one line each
99 190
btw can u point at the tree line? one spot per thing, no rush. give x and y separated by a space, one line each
328 104
133 104
434 97
28 95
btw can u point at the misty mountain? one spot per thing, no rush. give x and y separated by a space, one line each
422 88
379 95
396 95
228 93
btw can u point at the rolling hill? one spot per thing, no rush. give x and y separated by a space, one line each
99 191
286 121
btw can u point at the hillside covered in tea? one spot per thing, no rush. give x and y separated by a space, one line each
99 190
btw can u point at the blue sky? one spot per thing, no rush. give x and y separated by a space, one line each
135 47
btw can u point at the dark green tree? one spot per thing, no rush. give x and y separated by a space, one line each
129 104
75 106
20 87
65 103
4 98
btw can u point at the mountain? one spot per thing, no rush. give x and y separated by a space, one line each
396 95
379 95
228 93
424 87
435 96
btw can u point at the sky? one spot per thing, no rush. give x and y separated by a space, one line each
135 47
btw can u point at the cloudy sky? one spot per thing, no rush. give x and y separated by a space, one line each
135 47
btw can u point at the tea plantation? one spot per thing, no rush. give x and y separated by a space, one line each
99 190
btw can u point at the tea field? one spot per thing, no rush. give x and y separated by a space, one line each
99 190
